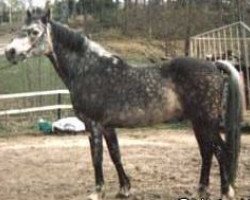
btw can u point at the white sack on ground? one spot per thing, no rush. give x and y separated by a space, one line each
72 124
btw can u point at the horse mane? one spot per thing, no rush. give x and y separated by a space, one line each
68 38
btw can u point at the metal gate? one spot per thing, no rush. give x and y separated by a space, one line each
230 42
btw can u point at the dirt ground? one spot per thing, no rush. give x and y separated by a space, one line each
162 164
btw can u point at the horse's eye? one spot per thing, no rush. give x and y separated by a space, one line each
34 33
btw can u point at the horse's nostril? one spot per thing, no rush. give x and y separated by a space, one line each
12 52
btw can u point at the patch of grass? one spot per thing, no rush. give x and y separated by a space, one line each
32 75
2 128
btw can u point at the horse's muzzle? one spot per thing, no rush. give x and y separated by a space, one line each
14 57
11 55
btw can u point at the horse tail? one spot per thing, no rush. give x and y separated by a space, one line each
233 117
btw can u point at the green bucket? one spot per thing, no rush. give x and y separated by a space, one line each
45 126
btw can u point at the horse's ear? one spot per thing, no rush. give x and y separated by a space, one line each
28 13
47 15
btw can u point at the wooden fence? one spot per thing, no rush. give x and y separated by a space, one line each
58 106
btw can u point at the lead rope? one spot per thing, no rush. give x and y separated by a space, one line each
49 39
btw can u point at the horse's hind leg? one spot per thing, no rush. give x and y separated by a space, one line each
210 142
206 152
220 151
114 151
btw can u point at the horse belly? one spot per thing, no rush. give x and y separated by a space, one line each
156 111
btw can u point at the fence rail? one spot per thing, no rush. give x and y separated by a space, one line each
57 107
33 94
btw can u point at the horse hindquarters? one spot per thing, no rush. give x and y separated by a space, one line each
200 85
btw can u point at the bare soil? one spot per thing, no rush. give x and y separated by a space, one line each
162 164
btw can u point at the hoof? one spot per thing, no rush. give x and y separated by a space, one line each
203 193
96 196
230 194
225 197
124 193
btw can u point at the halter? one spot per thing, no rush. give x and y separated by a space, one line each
49 40
50 50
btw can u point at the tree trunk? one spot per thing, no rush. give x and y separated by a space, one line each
188 29
85 16
149 19
10 14
238 10
125 22
117 2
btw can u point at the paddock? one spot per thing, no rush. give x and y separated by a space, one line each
162 163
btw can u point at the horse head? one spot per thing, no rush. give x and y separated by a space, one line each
33 39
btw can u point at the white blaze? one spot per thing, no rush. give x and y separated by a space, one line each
20 45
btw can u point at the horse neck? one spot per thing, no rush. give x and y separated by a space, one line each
62 66
65 52
76 56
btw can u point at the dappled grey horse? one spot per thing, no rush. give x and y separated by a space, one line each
107 93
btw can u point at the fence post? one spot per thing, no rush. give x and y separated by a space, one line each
59 102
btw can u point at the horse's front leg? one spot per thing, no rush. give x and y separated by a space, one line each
96 147
114 151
